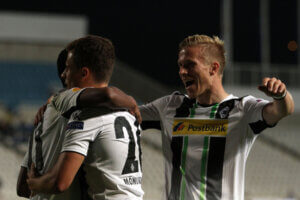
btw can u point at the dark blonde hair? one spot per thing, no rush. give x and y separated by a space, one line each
213 48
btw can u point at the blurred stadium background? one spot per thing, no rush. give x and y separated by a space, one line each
261 37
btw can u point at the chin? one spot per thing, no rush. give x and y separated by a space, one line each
191 95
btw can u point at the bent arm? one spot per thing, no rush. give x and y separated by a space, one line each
109 97
60 177
22 187
283 103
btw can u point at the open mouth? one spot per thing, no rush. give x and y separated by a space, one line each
188 83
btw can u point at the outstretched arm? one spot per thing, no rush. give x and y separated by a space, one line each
59 178
283 103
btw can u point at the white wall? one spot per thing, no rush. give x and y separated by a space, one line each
34 27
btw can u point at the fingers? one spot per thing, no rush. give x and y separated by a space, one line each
136 112
31 172
39 115
272 87
282 88
138 115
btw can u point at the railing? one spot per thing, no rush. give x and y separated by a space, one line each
249 74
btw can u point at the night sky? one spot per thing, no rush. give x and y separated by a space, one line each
146 33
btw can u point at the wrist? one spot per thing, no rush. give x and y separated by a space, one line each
276 97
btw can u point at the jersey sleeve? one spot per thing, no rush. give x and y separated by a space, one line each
153 111
79 134
66 100
25 161
253 110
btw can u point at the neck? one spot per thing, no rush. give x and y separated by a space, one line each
93 84
214 95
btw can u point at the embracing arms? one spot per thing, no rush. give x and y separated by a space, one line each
111 97
59 178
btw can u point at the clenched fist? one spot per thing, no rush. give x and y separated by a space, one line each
273 87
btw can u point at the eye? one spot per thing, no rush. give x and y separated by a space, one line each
189 65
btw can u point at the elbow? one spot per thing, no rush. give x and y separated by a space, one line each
20 193
22 187
23 192
61 186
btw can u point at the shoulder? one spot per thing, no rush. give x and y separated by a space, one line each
173 99
250 100
66 92
250 103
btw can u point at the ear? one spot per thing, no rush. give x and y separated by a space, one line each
214 68
85 73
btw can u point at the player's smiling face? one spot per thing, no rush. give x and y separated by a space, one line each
193 71
71 74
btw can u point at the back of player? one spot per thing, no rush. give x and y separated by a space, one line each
111 144
47 141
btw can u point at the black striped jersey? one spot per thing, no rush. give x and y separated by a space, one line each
111 144
205 148
46 141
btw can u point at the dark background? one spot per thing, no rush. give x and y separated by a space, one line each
146 33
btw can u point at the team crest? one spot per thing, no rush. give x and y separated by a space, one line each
224 112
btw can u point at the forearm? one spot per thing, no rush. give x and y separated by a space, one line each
278 109
60 177
285 106
108 96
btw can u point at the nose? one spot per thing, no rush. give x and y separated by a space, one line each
182 71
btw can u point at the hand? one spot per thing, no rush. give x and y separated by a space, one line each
31 174
135 111
39 115
272 87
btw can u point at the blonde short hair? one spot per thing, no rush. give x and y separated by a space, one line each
213 48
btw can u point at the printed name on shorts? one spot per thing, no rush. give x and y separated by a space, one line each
75 125
207 127
131 180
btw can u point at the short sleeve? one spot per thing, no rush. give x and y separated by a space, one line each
253 110
66 100
25 160
153 110
79 134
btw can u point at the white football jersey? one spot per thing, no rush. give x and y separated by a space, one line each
205 148
47 141
111 144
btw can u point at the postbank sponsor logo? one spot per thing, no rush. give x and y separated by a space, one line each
208 127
